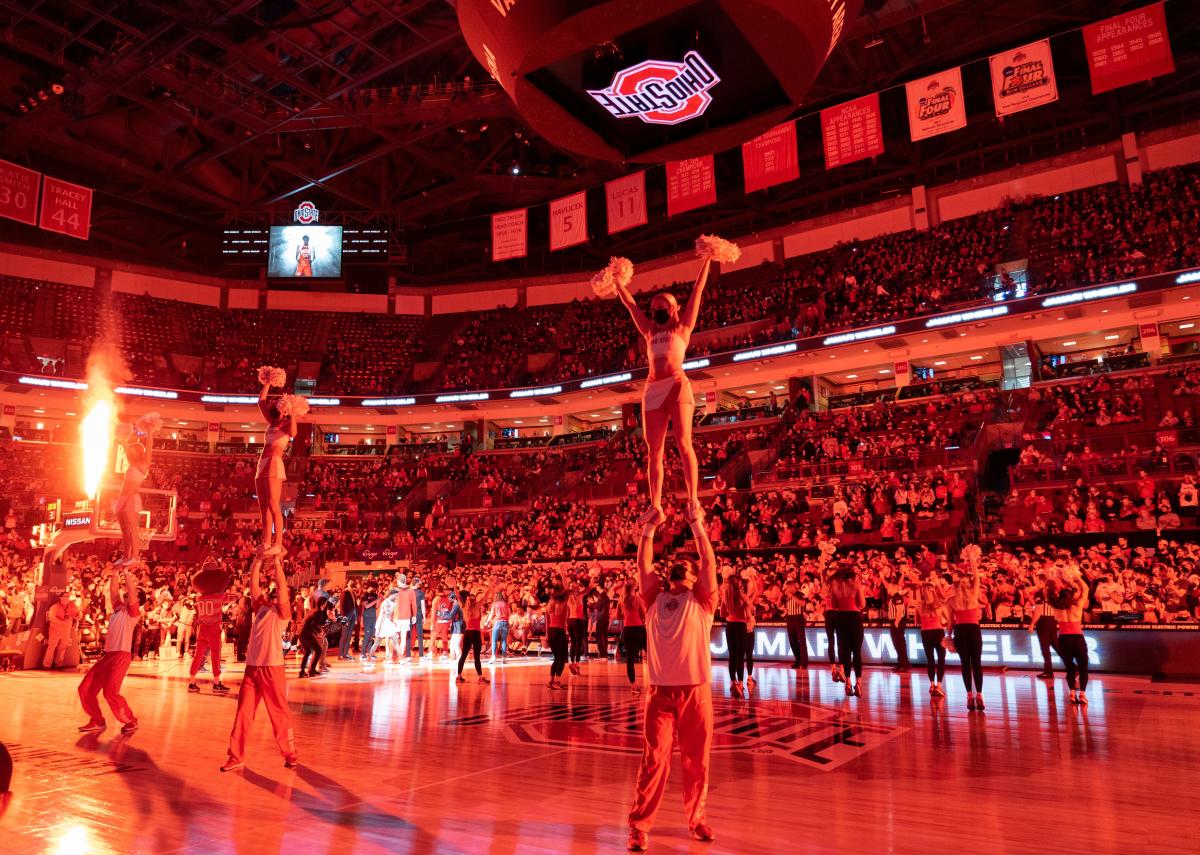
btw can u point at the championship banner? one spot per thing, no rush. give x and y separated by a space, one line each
1128 48
771 158
935 104
510 234
625 200
691 184
66 208
852 131
19 193
1023 78
568 220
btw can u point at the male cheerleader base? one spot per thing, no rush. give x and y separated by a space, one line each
264 678
678 626
109 672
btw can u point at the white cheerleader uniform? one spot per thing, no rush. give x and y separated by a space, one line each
270 462
675 387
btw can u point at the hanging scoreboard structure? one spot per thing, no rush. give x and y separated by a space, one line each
627 80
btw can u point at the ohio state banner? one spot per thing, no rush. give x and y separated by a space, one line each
1128 48
1023 78
935 104
691 184
771 158
852 131
510 234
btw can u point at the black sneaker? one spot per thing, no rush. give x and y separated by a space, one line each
192 687
220 687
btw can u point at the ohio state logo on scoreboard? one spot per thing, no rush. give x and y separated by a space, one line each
307 213
660 92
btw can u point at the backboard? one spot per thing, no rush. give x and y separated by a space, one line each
158 513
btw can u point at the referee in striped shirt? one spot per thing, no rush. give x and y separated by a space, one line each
793 610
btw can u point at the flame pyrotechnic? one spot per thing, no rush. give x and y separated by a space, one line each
96 429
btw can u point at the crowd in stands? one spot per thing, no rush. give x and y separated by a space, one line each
1100 234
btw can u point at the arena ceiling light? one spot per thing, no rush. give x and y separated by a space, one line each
388 402
966 317
1186 326
50 383
1111 337
940 362
859 335
976 358
606 381
536 393
1090 294
1069 343
460 397
764 352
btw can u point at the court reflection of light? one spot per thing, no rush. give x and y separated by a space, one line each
389 705
72 841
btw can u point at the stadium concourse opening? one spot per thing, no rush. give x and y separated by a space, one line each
740 426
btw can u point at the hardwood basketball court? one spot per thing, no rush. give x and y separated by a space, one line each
404 760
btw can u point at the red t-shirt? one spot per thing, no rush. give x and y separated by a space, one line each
556 615
208 608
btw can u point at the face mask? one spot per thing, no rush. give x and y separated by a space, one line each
661 316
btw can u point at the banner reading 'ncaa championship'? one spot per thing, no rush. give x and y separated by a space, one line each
1023 78
510 233
691 184
1128 48
771 158
935 104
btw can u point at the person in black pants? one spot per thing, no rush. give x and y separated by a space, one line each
966 609
603 606
1043 622
931 612
349 612
556 634
312 636
370 603
577 623
898 622
734 608
472 634
633 632
849 600
793 610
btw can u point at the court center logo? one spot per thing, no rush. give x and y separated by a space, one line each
802 733
306 214
660 92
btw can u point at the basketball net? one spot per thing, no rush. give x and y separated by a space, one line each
144 535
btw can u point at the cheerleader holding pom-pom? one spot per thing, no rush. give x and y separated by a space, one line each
667 398
137 440
280 413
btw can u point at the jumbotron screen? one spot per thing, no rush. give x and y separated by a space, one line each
305 252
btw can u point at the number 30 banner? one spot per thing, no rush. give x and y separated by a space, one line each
19 193
66 208
568 221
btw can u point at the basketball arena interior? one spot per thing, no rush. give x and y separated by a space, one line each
544 426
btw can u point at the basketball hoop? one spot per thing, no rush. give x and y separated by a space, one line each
144 535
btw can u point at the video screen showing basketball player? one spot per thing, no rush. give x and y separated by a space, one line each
305 252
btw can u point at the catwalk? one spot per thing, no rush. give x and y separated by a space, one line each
405 760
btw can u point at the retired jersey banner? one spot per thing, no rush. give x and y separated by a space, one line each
852 131
935 104
510 233
66 208
691 184
568 220
1128 48
771 158
19 193
625 200
1023 78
